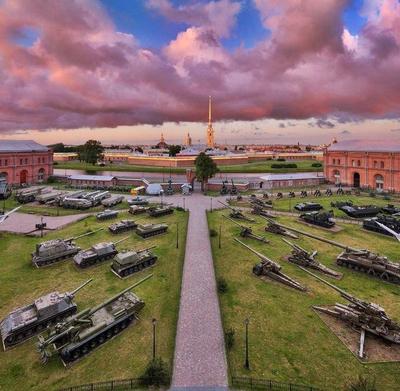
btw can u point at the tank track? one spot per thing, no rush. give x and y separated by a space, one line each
83 348
97 260
43 263
27 333
153 233
124 273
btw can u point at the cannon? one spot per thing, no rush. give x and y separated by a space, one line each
236 213
96 254
361 315
157 211
302 257
262 204
129 262
78 335
272 269
275 228
361 260
322 219
247 232
25 322
233 190
391 209
55 250
260 211
375 224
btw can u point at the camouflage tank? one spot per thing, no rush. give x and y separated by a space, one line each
390 222
308 206
25 322
148 230
107 214
96 254
160 211
361 211
78 335
137 209
138 201
53 251
122 226
322 219
128 262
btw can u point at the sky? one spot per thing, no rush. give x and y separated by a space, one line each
123 71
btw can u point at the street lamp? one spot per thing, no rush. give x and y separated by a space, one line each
211 204
219 237
177 235
154 321
246 363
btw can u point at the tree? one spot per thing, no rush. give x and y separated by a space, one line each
91 152
173 150
205 168
139 149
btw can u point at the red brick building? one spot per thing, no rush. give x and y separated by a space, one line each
366 164
25 162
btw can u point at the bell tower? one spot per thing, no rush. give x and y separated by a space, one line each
210 130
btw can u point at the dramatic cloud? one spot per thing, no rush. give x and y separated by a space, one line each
81 72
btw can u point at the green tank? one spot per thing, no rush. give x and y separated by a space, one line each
160 211
128 262
148 230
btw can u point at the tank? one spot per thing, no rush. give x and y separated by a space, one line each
138 201
275 228
390 209
321 219
122 226
160 211
127 263
137 209
112 201
340 204
361 211
78 335
390 222
148 230
25 322
56 250
308 206
107 214
96 254
247 232
236 213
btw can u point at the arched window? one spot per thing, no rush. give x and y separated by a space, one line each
375 164
41 174
336 177
3 175
359 163
382 164
379 182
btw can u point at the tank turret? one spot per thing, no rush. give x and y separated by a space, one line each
391 209
247 232
25 322
138 201
128 262
78 335
322 219
236 213
148 230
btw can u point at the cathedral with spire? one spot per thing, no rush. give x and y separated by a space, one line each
210 130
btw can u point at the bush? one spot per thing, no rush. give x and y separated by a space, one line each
222 285
284 165
362 384
55 163
213 233
372 194
281 159
316 165
51 179
155 374
180 209
229 338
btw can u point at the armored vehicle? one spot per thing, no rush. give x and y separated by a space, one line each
148 230
29 195
322 219
137 209
55 250
247 232
361 260
236 213
112 201
258 210
308 206
390 222
76 203
361 211
78 335
138 201
48 197
272 269
5 190
107 214
261 203
96 254
275 228
339 204
96 199
302 257
391 209
160 211
122 226
128 262
25 322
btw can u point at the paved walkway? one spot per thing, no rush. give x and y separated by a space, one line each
199 352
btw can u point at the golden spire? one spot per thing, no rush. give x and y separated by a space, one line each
209 110
210 130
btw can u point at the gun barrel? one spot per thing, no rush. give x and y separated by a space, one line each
86 234
80 287
145 249
261 256
121 240
233 221
289 243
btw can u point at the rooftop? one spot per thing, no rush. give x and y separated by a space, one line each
92 177
366 146
21 146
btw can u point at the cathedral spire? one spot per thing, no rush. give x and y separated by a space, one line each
210 130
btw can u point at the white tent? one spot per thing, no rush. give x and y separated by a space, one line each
154 189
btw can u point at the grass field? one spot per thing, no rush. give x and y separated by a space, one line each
123 357
257 167
287 340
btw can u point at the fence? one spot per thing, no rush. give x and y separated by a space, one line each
114 385
264 384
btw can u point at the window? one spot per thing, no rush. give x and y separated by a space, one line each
6 162
41 174
375 164
382 164
379 182
338 162
26 161
358 163
334 161
20 162
353 163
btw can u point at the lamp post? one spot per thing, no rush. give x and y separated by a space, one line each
211 204
177 235
154 321
219 236
246 363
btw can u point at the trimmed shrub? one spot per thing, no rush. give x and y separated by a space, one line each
284 165
213 233
362 384
222 285
229 338
281 159
155 374
316 165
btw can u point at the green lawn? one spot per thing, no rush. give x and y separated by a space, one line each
288 341
123 357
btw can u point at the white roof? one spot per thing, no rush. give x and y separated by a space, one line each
106 178
154 189
367 146
295 175
21 146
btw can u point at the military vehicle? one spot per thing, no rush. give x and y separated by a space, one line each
236 213
148 230
322 219
137 209
75 203
157 211
339 204
48 197
261 203
391 209
390 222
362 316
112 201
233 190
107 214
247 232
122 226
138 201
272 269
128 262
56 250
275 228
308 206
25 322
224 188
258 210
5 190
29 194
302 257
96 254
361 260
79 334
361 211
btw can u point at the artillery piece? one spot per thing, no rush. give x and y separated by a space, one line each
322 219
79 334
236 213
263 204
375 224
25 322
56 250
279 230
272 269
302 257
362 316
128 262
361 260
260 211
247 232
96 254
